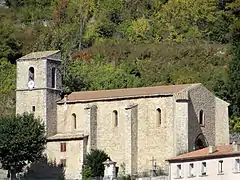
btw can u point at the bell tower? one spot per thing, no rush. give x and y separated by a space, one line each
39 85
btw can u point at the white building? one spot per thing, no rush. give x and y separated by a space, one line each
211 163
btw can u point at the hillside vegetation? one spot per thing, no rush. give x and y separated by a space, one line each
127 43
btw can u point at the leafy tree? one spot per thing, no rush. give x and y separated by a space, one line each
7 87
234 78
10 45
93 164
97 74
181 20
22 141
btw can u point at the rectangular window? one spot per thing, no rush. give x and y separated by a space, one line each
63 162
62 147
204 169
220 167
53 78
191 170
33 109
179 171
237 165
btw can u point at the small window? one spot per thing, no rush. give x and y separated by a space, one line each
191 170
236 165
179 171
204 169
63 147
33 109
74 119
115 118
31 74
159 116
63 162
53 78
220 167
201 118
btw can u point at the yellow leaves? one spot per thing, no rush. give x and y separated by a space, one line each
139 30
140 26
185 19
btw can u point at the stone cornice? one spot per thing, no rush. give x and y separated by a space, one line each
34 89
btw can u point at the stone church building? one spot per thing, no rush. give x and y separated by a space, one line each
133 126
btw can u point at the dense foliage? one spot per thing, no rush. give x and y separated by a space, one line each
126 43
93 164
22 141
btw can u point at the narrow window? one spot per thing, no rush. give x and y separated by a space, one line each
201 118
237 165
179 171
191 170
53 78
74 119
115 118
31 74
220 167
33 109
204 169
159 116
62 147
63 162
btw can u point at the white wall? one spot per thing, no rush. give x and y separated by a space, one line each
211 169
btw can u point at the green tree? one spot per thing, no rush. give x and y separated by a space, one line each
96 74
180 20
7 87
234 69
10 45
22 141
93 164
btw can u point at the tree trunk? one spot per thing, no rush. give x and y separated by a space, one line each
13 174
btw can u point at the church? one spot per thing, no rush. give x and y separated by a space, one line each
134 126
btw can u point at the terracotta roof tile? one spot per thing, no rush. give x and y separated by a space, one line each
84 96
220 151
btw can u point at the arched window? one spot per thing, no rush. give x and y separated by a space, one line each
31 74
53 78
201 118
74 121
200 142
115 118
159 116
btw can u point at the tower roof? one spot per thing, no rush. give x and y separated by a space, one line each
39 55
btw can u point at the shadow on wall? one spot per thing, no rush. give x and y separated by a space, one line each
43 170
196 138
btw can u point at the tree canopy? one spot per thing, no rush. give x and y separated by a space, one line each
93 164
22 141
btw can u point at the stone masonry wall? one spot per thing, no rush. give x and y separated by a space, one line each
93 127
181 127
134 139
201 99
153 139
222 122
25 100
40 77
73 156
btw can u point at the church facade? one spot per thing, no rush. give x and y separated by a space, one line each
136 127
